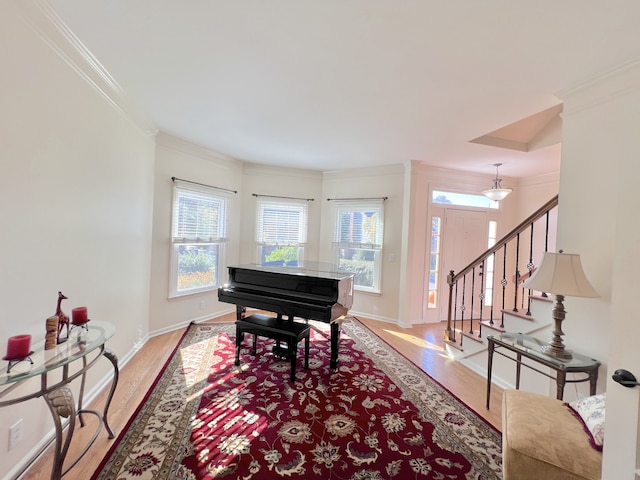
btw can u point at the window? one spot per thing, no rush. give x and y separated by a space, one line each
434 261
281 231
358 233
198 239
462 199
489 266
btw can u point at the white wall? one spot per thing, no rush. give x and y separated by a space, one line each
528 195
533 192
405 240
286 182
177 158
425 179
598 220
181 159
75 206
376 182
86 209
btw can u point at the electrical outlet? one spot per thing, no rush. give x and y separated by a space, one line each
15 434
201 304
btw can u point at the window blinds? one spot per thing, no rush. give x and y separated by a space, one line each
281 222
359 223
198 216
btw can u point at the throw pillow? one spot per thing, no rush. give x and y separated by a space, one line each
590 411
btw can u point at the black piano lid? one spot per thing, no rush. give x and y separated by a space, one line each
309 269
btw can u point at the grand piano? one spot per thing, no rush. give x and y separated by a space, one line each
316 291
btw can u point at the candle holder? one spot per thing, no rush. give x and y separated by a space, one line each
14 361
82 326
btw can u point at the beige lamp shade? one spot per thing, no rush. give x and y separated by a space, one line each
561 274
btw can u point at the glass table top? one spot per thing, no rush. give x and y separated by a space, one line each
531 346
81 342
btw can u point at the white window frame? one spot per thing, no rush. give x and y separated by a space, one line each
359 240
281 222
197 235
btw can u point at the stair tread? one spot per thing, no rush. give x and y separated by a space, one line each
548 298
454 344
522 315
475 335
495 326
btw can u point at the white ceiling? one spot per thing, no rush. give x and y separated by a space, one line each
331 84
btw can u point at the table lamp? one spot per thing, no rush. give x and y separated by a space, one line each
560 274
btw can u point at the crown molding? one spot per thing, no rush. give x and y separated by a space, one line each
43 19
177 144
260 169
373 171
618 81
551 178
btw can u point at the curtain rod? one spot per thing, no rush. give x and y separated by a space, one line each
278 196
203 185
371 198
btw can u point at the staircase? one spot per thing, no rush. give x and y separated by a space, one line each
487 297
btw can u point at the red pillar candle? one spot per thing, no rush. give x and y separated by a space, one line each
79 315
18 347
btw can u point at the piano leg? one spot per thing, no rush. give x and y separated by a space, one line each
335 340
241 312
293 352
306 352
239 337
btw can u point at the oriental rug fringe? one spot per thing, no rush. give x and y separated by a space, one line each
377 416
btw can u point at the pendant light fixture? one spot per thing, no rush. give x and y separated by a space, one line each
497 193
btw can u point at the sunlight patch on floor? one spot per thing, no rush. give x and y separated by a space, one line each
420 342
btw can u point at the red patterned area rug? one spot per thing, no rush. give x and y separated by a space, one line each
377 416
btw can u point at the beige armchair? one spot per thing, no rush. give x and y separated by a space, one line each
542 439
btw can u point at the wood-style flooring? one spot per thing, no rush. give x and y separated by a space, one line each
422 344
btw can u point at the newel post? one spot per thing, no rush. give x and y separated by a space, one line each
449 334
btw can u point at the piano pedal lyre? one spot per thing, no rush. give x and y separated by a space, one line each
281 351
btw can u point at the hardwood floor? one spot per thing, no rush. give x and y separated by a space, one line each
422 344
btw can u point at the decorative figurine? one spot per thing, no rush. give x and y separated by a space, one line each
63 319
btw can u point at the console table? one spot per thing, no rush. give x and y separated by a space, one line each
56 368
519 346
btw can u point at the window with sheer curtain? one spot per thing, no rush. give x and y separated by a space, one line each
281 231
357 243
197 239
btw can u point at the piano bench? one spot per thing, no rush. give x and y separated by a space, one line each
277 329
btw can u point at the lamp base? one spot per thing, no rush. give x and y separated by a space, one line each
555 348
556 352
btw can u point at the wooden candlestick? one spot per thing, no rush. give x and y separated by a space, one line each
51 337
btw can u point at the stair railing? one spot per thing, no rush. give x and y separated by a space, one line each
467 301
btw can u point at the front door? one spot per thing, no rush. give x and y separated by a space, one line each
464 237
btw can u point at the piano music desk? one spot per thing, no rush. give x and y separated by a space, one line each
277 329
